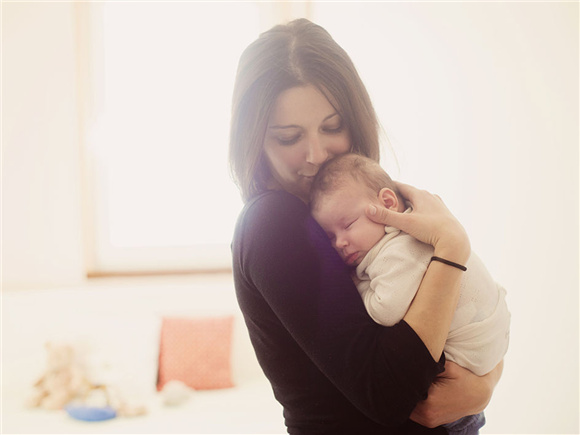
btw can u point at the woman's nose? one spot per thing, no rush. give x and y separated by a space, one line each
316 153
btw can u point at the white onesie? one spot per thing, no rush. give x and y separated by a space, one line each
390 275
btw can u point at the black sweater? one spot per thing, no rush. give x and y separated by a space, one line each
333 369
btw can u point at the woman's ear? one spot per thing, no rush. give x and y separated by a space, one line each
388 198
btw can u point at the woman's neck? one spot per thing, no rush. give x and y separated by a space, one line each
273 184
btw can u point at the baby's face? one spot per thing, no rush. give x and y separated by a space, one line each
342 215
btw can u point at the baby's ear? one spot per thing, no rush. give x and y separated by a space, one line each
388 198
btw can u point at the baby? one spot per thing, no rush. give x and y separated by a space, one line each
390 265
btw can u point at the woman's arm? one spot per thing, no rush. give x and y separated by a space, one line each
394 274
456 393
296 293
432 310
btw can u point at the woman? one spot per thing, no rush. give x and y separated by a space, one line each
298 101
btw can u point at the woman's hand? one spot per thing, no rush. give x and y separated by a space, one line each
430 222
455 394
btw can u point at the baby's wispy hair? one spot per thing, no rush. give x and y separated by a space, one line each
336 172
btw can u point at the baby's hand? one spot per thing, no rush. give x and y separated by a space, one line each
430 222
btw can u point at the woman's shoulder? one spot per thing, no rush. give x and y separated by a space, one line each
273 207
278 197
275 218
274 230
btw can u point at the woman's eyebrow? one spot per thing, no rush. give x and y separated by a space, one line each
280 127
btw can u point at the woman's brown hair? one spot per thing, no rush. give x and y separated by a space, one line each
299 53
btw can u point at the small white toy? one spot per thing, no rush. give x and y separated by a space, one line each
175 393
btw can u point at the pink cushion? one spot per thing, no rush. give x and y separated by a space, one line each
196 351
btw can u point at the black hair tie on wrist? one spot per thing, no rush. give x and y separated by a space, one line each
449 263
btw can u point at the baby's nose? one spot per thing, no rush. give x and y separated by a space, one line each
341 242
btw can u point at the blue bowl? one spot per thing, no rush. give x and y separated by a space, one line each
90 413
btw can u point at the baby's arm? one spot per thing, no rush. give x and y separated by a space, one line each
395 276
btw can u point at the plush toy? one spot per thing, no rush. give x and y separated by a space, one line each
66 381
63 380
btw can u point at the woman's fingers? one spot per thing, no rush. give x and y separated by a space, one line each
430 222
378 214
457 392
384 216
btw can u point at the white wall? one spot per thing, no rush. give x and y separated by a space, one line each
41 212
480 101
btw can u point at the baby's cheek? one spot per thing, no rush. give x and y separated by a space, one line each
375 235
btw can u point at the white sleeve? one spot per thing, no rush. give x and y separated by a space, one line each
395 276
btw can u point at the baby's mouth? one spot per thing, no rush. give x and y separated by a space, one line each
350 259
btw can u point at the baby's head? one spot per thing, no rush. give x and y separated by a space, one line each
341 191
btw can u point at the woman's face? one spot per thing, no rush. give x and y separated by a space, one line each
303 132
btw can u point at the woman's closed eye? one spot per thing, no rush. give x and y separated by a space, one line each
334 128
288 140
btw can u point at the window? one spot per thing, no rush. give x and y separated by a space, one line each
158 80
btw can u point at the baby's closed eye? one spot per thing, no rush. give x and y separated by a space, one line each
350 224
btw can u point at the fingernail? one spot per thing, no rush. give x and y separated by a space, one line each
372 210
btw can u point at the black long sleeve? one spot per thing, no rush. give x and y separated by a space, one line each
332 368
